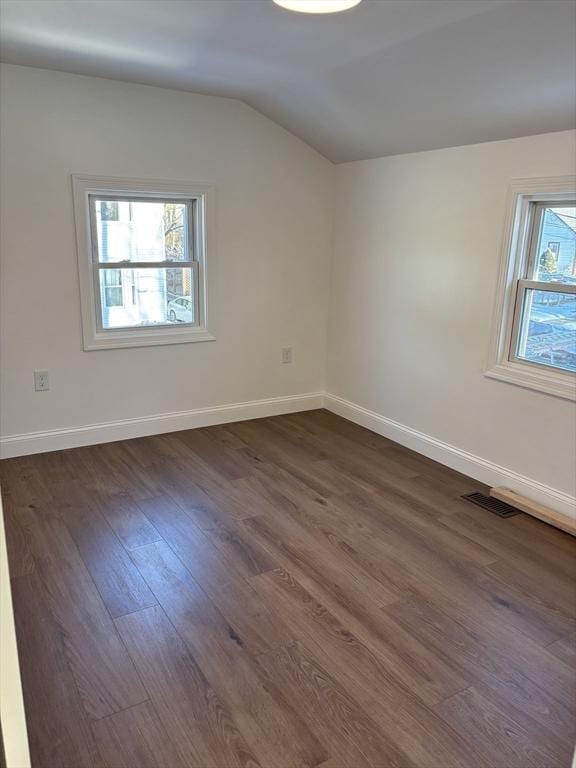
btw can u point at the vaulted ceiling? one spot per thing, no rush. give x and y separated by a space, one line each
387 77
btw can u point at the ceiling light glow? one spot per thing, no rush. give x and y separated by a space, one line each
317 6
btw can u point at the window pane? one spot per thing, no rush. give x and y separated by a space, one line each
113 297
548 330
109 210
141 230
556 251
146 297
113 288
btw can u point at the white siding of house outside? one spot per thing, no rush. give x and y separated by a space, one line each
139 233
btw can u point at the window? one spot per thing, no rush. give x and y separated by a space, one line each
142 255
534 339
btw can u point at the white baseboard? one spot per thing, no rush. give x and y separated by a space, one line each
474 466
91 434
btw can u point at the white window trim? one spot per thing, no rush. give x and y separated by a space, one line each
94 337
514 251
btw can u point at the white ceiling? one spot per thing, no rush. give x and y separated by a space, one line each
389 76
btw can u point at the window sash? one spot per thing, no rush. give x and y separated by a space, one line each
189 263
127 264
192 232
550 286
536 223
192 265
521 309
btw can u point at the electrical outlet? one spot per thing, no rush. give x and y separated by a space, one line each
41 381
286 355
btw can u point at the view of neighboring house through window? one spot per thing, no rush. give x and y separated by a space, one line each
108 210
112 287
545 312
145 268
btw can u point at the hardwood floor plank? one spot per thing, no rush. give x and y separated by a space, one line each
361 464
193 483
540 587
133 480
491 731
278 440
565 649
276 734
436 497
376 666
96 474
345 525
406 659
333 763
334 715
105 676
188 541
249 559
179 447
193 716
508 543
141 453
457 483
294 548
329 427
545 537
128 522
228 536
136 738
260 628
121 587
323 519
332 522
24 482
177 484
58 732
494 666
396 511
59 466
230 464
219 575
20 558
457 571
536 611
281 452
312 420
429 570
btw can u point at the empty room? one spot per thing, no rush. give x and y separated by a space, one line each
288 383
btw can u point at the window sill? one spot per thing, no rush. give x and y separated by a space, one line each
530 377
123 339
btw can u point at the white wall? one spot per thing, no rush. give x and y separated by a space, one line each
273 227
416 250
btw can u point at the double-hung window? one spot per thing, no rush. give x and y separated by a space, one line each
534 338
143 261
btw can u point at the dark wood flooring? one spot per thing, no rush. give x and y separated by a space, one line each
285 593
